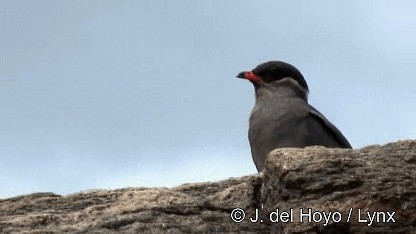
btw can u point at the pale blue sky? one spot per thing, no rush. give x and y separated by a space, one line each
109 94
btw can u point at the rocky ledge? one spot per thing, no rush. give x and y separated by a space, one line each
311 190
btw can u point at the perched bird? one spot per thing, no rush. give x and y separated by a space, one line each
281 116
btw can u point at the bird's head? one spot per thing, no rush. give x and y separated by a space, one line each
271 71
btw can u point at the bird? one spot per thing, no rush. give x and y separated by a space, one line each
282 116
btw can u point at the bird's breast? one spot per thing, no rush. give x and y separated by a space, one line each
272 116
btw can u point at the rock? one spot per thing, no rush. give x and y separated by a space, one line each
189 208
373 179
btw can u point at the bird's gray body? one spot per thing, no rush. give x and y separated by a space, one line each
282 117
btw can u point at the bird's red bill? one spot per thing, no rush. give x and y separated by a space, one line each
250 76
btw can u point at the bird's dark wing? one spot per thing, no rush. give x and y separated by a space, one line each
314 113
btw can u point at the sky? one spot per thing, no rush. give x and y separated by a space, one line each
113 94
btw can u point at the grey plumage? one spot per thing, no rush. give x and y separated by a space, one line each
282 117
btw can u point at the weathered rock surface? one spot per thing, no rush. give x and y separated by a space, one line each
373 179
202 207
